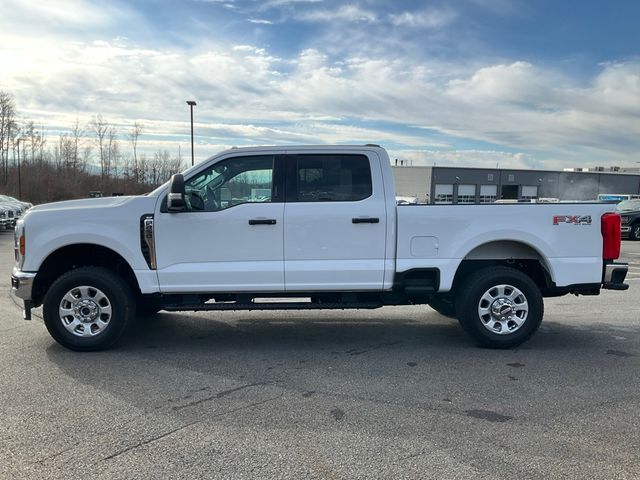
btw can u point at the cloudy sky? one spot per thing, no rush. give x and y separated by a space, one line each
544 83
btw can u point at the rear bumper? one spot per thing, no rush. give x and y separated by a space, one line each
613 276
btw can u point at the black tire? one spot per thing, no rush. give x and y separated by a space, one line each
444 305
119 299
480 283
634 233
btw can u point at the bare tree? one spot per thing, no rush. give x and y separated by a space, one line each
100 127
143 169
52 171
30 136
134 133
7 123
38 142
77 133
113 152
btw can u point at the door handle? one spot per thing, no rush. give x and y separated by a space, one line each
365 220
262 221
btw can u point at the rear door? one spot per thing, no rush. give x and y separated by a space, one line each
335 223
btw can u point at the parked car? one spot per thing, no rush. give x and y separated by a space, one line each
14 209
5 220
11 213
330 236
22 206
616 197
630 218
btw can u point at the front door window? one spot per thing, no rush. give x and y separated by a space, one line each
231 182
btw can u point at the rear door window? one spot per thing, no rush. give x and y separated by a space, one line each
332 178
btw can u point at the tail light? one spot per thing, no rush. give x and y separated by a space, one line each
610 225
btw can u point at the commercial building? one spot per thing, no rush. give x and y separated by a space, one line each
486 185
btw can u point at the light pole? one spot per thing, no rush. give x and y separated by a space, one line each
19 178
191 104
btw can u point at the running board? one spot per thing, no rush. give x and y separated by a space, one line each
271 306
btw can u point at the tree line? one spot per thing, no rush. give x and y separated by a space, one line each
89 157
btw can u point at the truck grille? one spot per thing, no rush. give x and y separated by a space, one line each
624 219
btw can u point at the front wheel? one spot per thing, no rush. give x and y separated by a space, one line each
500 307
88 308
634 234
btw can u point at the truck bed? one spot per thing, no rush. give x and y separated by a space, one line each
566 237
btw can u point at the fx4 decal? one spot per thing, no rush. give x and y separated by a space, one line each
572 219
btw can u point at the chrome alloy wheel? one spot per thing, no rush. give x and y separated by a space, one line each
85 311
503 309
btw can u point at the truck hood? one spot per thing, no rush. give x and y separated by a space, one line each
92 209
83 203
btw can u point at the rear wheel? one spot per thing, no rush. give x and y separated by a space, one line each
88 308
634 234
499 307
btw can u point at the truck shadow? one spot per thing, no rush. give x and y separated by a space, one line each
174 354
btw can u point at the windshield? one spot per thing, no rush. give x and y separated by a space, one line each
628 205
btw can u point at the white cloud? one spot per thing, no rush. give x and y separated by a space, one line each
345 13
248 95
259 21
280 3
60 15
462 158
229 4
423 19
249 49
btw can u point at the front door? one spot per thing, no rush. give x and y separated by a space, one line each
335 223
230 237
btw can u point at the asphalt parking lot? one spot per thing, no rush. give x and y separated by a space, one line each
392 393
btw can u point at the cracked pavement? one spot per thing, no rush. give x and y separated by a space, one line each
390 393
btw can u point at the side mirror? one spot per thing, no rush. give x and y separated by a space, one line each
175 199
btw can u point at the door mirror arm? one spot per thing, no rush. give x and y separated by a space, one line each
176 198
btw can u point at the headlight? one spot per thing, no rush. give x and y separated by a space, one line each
20 244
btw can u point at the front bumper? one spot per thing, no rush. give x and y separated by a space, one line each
22 286
614 275
22 283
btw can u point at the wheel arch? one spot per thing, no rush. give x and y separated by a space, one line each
78 255
511 253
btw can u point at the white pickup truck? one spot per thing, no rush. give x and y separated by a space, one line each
313 227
